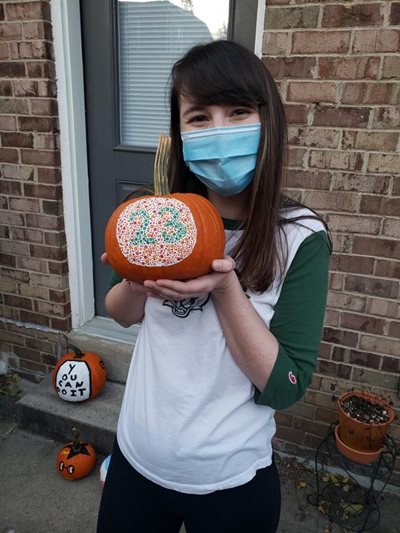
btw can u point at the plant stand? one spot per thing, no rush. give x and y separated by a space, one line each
340 495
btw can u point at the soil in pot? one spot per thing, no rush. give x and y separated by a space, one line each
364 419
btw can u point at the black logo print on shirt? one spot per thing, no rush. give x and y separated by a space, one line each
183 308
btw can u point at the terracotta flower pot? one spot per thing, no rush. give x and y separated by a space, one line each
363 435
364 458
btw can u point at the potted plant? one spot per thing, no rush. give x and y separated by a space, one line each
364 419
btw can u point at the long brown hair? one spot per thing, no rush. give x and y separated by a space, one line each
223 72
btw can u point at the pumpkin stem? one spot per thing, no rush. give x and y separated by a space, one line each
78 353
76 443
161 165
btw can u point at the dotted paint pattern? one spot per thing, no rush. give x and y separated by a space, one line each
156 232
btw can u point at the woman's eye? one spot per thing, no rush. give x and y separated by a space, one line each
197 118
241 111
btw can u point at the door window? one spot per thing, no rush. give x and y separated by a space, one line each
152 35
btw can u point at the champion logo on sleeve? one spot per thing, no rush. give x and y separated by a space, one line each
292 378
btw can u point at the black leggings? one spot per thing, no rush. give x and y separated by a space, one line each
132 503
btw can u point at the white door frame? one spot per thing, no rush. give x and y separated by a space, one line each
74 163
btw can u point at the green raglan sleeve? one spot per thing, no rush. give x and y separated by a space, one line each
298 322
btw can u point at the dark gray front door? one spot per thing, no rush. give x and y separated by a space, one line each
128 48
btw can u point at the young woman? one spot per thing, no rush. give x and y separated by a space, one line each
217 355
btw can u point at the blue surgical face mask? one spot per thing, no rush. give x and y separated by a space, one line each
224 159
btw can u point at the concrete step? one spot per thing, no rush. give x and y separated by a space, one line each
110 341
42 411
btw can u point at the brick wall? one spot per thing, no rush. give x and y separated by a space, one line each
338 68
34 296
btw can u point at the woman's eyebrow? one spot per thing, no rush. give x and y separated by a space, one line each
193 109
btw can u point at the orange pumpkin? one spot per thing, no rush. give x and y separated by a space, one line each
172 236
76 459
79 376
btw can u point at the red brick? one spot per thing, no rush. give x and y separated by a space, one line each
340 16
390 364
25 205
369 360
369 93
17 301
32 264
391 227
35 318
373 286
9 155
13 105
8 123
46 141
43 222
363 323
28 10
312 92
308 179
10 187
370 41
52 208
376 246
335 159
37 30
387 269
381 345
391 67
43 191
315 137
40 69
386 117
296 114
4 53
61 324
7 260
40 157
290 67
17 139
10 31
276 43
384 163
12 69
395 13
355 224
57 267
331 201
380 205
27 235
44 124
342 117
25 88
44 107
348 263
346 68
291 17
49 175
5 88
321 42
361 183
340 336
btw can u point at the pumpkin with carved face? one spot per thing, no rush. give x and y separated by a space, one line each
76 459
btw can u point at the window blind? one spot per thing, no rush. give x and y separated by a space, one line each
152 36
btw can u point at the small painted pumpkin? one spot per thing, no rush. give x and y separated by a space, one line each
76 459
79 376
174 236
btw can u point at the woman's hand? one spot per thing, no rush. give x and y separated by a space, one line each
219 280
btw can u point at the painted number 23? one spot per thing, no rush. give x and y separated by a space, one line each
173 229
